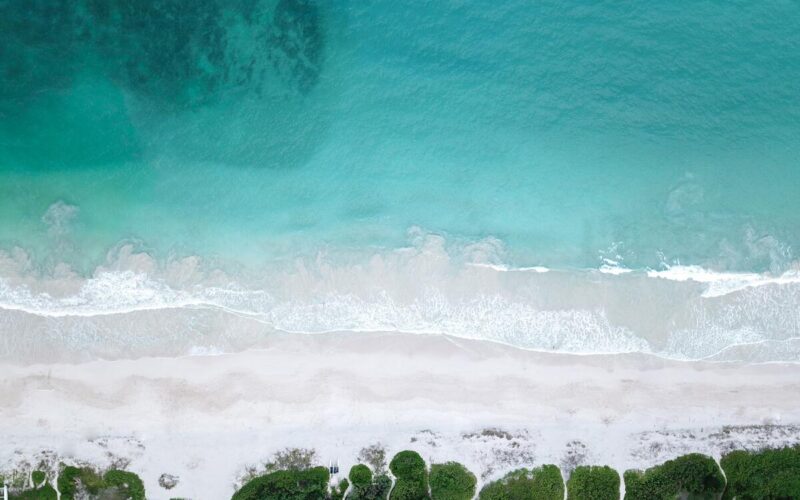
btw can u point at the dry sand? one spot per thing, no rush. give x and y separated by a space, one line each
206 418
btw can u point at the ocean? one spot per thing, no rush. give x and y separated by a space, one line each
184 177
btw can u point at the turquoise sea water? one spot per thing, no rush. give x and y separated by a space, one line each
254 138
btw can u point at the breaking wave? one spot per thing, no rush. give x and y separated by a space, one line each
135 305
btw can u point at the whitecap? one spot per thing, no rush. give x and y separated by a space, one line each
722 283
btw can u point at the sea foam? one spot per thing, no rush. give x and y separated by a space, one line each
723 283
679 313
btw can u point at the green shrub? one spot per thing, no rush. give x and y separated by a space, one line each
412 478
452 481
408 490
407 465
66 481
337 492
695 475
309 484
769 474
38 478
541 483
516 485
548 482
128 482
70 477
46 492
593 483
378 489
360 475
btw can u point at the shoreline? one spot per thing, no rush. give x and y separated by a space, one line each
339 393
137 305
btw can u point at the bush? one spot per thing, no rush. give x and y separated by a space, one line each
94 484
452 481
769 474
593 483
67 480
38 478
548 482
126 481
542 483
412 478
516 485
309 484
378 489
367 487
360 475
46 492
337 492
407 465
695 475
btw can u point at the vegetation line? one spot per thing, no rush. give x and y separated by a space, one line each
293 474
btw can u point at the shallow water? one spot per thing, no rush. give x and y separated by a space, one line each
319 166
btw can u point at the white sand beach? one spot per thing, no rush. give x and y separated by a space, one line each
507 234
492 407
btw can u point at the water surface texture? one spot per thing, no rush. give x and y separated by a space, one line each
180 175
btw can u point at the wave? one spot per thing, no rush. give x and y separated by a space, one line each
135 302
611 266
505 269
119 292
490 317
723 283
